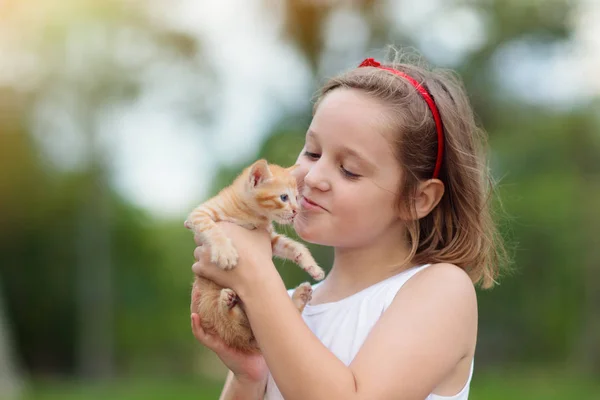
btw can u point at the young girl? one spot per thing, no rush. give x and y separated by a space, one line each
393 177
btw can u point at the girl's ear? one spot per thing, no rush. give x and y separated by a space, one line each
429 193
259 172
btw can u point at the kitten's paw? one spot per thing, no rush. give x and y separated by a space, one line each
228 299
302 295
316 272
224 255
303 292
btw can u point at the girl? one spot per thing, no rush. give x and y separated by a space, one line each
393 177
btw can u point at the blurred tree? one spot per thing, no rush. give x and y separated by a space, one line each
584 149
95 58
10 377
15 161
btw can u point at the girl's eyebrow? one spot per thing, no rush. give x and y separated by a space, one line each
361 159
349 152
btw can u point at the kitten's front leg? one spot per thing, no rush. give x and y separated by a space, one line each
286 248
222 251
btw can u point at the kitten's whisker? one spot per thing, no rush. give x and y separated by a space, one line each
302 217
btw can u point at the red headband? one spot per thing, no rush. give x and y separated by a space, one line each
369 62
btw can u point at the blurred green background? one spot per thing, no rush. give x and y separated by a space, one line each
117 117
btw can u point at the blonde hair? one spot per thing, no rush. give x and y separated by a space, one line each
460 229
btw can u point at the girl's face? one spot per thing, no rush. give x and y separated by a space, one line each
347 174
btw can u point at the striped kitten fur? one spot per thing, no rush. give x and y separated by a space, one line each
261 194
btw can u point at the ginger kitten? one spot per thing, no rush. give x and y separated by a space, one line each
261 194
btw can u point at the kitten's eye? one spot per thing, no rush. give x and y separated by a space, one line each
284 197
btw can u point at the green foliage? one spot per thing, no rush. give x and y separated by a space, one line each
126 390
532 384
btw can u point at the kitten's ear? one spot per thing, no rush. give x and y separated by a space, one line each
259 172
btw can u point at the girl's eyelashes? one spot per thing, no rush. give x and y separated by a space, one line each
347 174
310 155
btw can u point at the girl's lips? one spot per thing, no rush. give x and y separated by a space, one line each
309 204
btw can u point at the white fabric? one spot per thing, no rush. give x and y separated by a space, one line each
343 326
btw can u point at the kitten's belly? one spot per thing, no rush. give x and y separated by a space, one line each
231 325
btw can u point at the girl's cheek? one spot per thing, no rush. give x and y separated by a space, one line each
300 172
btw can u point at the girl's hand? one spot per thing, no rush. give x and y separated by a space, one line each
246 368
254 248
254 268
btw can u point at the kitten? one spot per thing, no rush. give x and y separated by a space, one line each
261 194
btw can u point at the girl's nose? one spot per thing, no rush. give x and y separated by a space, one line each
317 179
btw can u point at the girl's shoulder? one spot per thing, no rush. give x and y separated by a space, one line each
442 287
443 274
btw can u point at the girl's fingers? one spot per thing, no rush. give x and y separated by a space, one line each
206 339
203 266
198 331
199 253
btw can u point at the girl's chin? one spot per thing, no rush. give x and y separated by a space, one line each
306 232
301 228
311 233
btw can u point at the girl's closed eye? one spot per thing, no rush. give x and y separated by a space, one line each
310 155
345 172
348 174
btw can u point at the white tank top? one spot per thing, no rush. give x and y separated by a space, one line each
343 326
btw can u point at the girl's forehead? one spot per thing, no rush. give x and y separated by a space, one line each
353 106
352 118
